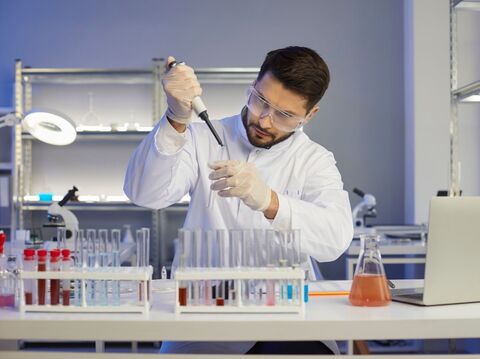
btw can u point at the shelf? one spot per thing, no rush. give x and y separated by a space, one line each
5 166
102 135
220 75
98 206
467 4
468 93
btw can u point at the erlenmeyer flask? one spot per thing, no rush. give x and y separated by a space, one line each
369 287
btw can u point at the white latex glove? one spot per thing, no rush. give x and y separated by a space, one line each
240 179
181 87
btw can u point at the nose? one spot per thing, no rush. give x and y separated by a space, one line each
265 119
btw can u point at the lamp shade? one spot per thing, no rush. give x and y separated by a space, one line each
50 127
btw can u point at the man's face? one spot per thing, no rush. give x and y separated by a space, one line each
260 129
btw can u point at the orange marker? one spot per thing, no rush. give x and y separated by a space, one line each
320 294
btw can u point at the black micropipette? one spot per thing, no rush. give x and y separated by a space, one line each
199 108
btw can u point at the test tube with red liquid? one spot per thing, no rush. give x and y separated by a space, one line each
54 283
66 263
29 265
41 267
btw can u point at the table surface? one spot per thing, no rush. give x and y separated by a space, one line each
393 247
325 318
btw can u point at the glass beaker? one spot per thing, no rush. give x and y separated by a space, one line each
369 287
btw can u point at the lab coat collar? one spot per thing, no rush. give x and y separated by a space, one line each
282 146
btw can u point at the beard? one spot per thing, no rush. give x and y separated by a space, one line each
254 139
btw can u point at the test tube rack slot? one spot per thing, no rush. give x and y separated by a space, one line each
136 274
296 275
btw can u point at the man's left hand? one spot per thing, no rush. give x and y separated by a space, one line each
240 179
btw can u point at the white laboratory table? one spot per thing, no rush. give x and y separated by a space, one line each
326 318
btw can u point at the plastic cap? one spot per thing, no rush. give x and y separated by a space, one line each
42 252
55 253
66 253
28 252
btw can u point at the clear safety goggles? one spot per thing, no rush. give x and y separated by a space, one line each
281 120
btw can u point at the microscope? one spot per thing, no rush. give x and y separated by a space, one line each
58 216
366 208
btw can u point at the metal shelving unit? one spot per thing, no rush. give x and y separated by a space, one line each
21 168
457 95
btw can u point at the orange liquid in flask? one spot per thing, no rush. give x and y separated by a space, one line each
370 290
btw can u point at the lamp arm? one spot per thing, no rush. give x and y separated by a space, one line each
9 120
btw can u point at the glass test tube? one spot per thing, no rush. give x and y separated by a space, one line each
272 260
146 232
77 263
66 282
91 264
248 263
295 243
61 238
235 261
196 252
41 267
29 265
222 286
103 264
260 262
54 283
207 264
116 235
183 252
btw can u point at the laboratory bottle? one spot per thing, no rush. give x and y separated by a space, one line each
41 267
7 279
54 283
66 263
369 287
29 265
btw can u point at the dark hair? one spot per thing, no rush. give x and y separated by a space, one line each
300 70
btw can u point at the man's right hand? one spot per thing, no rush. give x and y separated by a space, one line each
181 87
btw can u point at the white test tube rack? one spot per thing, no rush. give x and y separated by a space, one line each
239 275
138 274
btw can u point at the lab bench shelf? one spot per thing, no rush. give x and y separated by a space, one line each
98 206
102 135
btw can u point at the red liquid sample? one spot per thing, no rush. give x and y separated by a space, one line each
7 300
28 298
182 296
42 267
220 302
54 291
370 291
66 297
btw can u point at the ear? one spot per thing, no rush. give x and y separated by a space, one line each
310 115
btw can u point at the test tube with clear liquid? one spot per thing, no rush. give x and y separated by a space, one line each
115 236
207 256
196 251
143 255
91 264
235 262
295 255
260 263
103 264
272 260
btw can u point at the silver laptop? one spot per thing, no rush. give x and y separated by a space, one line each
452 269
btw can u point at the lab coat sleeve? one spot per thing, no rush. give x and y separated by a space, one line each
323 213
163 168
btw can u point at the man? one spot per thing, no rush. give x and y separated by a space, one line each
269 175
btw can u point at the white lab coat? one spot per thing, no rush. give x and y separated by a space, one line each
167 165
